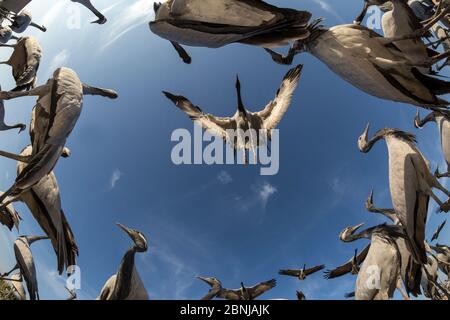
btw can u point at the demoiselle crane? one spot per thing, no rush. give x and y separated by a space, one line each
214 24
389 259
233 129
126 284
24 61
410 183
366 60
57 110
243 293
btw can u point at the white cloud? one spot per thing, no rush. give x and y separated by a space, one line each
131 16
115 177
59 60
259 196
265 191
224 177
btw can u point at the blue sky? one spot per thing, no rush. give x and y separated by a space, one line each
222 221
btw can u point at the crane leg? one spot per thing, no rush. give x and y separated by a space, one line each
182 52
436 184
38 91
429 181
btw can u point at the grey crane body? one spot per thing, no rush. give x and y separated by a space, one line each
361 57
214 24
25 62
390 257
399 20
56 113
101 19
357 55
410 183
301 274
44 201
126 284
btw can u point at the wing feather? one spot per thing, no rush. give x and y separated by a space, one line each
214 125
314 269
290 272
275 110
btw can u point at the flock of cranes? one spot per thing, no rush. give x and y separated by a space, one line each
399 65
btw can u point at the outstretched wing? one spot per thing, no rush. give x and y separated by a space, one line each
347 267
275 110
261 288
215 125
314 269
290 272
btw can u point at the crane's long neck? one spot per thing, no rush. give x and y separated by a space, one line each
377 137
240 106
125 275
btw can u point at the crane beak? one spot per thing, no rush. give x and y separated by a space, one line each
108 93
369 201
355 228
127 230
366 132
206 280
